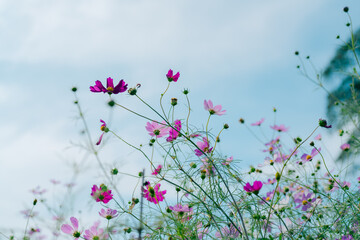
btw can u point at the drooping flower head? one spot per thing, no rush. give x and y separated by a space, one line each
104 129
153 194
204 146
323 123
101 194
258 123
255 188
172 77
157 130
173 134
280 128
208 105
72 230
110 88
345 147
108 213
157 170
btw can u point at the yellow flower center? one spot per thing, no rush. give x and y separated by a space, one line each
102 128
267 199
308 157
304 202
110 89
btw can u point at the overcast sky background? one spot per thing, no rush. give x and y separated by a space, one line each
237 53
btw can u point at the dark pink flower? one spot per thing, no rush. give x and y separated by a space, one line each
72 230
172 77
156 129
101 194
208 105
255 188
110 88
345 147
173 134
108 213
280 128
152 194
157 170
103 128
204 146
258 123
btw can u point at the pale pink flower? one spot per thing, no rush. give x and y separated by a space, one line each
308 157
72 230
345 147
156 129
204 147
280 128
208 105
95 233
318 137
108 213
258 123
228 161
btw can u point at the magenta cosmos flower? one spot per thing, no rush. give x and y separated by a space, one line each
72 230
208 105
204 147
172 77
258 123
156 129
103 128
108 213
157 170
101 194
110 88
280 128
153 194
345 147
173 134
255 188
323 123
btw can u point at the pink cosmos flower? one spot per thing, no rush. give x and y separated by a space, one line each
345 147
98 87
157 170
153 194
204 146
208 105
228 161
172 77
255 188
182 211
108 213
156 129
318 137
95 233
208 167
280 128
258 123
72 230
103 128
201 232
304 199
270 181
306 157
228 232
101 194
173 134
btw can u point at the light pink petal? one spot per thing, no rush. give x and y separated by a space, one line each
75 223
66 228
210 104
206 106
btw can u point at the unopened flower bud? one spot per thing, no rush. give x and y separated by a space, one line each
186 91
193 165
277 176
74 89
132 91
296 53
114 171
111 103
226 126
241 120
346 9
174 101
312 143
34 202
177 189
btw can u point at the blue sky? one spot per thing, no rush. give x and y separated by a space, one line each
238 53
